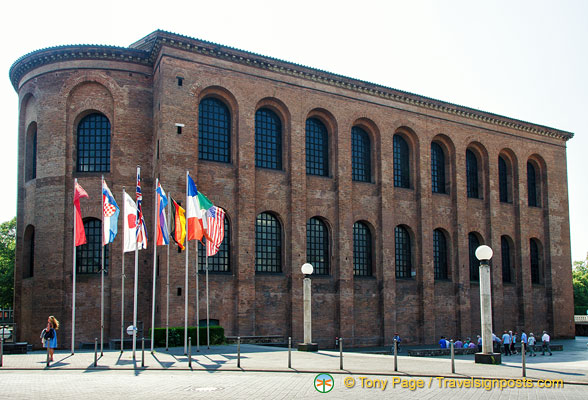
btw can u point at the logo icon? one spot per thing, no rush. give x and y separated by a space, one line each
324 383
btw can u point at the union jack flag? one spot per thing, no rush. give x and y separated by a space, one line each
216 229
141 231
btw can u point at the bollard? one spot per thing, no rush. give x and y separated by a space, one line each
524 349
238 351
190 352
142 351
395 355
95 352
340 353
289 353
1 349
452 357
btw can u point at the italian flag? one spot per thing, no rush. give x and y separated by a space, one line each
198 205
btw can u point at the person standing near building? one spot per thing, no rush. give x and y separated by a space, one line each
49 335
398 340
524 340
546 339
532 341
513 341
506 340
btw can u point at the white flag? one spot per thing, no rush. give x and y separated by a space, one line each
130 224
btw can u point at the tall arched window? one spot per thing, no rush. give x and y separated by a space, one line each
472 174
532 185
503 180
506 260
474 243
535 261
401 162
29 252
88 256
437 168
403 252
360 155
268 139
317 148
220 262
440 255
268 243
214 131
31 153
362 250
317 246
93 151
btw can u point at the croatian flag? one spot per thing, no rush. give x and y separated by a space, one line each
162 235
110 213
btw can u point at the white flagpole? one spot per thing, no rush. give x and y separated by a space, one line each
156 207
73 297
207 318
102 272
136 278
167 278
186 281
122 278
197 302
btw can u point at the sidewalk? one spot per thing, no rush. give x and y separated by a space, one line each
570 365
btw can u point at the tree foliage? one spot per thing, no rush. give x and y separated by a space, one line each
580 280
7 246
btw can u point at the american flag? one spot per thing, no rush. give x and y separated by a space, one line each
141 231
216 229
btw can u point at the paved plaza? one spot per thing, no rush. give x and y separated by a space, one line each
264 373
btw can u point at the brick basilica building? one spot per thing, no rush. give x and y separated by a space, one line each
386 193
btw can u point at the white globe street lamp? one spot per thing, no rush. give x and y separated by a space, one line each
307 269
487 356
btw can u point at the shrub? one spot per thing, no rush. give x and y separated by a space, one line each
176 335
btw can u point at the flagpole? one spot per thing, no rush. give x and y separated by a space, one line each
156 207
207 318
167 279
186 281
102 273
197 302
138 227
122 277
73 301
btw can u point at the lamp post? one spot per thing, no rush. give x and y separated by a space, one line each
307 270
487 356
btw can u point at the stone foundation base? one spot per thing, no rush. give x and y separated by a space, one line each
491 358
307 346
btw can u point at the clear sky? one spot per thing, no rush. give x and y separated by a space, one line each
525 59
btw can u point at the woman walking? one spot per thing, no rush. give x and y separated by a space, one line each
49 335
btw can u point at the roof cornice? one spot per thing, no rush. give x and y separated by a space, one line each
146 50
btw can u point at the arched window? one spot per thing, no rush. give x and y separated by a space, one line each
268 243
437 168
317 246
401 162
532 185
440 254
93 152
88 256
31 153
403 252
360 155
472 174
220 262
268 139
29 253
474 243
503 180
317 148
535 261
214 131
506 260
362 250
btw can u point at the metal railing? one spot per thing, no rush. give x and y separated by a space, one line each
6 316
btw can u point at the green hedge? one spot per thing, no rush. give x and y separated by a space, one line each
580 310
176 336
